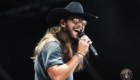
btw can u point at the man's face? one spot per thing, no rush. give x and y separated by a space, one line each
72 28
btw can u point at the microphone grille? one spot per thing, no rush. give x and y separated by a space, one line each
80 34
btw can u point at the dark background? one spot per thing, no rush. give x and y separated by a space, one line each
115 36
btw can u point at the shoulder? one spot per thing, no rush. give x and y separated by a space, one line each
53 45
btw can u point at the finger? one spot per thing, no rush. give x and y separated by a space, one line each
83 38
90 42
86 37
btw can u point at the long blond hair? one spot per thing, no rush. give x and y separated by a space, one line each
58 33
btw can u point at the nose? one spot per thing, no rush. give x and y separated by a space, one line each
79 25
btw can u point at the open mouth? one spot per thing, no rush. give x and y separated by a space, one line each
76 30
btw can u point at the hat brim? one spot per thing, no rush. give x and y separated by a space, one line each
56 14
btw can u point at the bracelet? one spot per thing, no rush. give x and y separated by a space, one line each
79 57
81 54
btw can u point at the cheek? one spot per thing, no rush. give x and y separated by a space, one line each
70 26
83 28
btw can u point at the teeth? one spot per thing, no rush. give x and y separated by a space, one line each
77 29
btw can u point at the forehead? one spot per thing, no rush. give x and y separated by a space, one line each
76 16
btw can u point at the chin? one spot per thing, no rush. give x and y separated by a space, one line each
75 38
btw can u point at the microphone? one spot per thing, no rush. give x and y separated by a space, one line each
94 52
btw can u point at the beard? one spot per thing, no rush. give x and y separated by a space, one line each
69 32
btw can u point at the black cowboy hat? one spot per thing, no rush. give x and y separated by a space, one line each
74 8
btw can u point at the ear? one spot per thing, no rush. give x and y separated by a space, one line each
62 23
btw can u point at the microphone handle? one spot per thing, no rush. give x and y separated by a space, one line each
94 52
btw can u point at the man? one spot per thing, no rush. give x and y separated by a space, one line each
60 52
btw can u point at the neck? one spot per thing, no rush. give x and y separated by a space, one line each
72 40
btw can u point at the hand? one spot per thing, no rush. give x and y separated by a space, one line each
83 44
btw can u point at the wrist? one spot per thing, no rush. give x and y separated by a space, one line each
80 57
81 54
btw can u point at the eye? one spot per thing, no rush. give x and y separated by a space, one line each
75 20
84 22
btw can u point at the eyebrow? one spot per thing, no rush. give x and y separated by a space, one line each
77 18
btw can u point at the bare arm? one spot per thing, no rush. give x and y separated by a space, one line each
62 72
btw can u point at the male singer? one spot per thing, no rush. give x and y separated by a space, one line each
60 52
